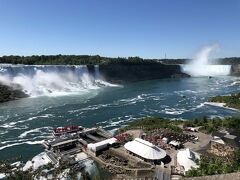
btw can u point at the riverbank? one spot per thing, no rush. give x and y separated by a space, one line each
231 101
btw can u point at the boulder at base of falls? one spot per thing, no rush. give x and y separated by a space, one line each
9 93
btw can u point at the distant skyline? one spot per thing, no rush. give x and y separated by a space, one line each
148 29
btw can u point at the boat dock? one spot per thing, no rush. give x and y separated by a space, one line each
72 142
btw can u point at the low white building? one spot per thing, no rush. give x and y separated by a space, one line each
97 147
145 150
187 159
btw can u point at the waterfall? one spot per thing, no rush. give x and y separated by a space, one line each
200 65
97 73
207 70
50 80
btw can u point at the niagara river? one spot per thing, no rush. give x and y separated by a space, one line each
74 97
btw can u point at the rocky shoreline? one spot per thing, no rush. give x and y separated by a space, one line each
10 93
230 101
235 71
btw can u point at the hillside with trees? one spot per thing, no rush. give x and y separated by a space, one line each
232 101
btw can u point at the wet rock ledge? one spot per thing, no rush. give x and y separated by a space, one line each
10 93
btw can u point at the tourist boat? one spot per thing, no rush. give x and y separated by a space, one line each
67 129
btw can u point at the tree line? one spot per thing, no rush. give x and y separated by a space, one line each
73 60
96 59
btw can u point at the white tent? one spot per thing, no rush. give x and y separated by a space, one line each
218 140
145 149
187 159
165 140
175 143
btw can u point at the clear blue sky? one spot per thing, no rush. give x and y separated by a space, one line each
145 28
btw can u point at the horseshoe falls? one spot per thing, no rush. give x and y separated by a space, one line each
200 65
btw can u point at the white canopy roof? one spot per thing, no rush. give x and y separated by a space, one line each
187 159
102 144
145 149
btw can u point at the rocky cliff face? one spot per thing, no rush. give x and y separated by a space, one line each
8 93
235 69
123 73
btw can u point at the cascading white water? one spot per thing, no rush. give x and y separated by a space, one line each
49 80
200 65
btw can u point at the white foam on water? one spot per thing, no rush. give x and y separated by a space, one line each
12 141
174 111
187 91
119 103
129 101
35 117
8 125
105 83
235 83
2 175
16 144
37 130
138 98
119 121
13 124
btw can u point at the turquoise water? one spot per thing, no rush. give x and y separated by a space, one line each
25 123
